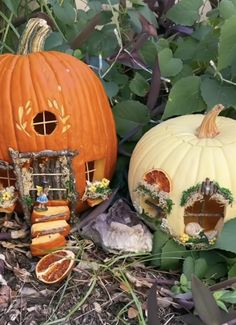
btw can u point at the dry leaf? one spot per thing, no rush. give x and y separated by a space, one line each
22 274
132 313
97 307
5 294
124 287
138 282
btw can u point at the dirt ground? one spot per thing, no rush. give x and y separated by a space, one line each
101 289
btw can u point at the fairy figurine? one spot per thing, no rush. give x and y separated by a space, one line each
42 196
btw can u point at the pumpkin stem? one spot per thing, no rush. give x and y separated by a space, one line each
34 36
208 127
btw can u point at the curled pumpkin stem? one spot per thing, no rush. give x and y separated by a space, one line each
208 127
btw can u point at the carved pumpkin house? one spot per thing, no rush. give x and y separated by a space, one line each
56 122
184 174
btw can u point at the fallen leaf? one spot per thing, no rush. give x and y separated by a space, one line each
97 307
138 282
5 294
124 287
22 274
132 313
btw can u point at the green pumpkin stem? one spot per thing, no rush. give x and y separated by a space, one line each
34 36
208 127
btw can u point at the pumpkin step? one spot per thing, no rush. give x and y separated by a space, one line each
50 227
43 245
51 214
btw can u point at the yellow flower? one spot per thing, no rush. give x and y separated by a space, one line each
184 238
92 188
6 196
105 182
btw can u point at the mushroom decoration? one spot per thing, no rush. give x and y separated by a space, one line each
53 106
183 170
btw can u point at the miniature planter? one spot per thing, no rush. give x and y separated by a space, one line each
96 192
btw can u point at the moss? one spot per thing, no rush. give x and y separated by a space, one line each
163 198
226 193
187 193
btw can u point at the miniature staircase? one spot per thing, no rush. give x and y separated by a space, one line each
49 229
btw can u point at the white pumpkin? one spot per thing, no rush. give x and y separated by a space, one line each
182 154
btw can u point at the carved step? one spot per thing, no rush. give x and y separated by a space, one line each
51 214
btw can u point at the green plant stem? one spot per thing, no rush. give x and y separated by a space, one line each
44 4
77 306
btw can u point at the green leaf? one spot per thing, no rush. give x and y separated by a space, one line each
227 45
172 255
130 114
227 8
12 5
184 98
183 280
232 271
200 268
111 88
188 267
169 66
65 12
226 240
54 40
229 297
216 271
186 48
149 53
159 240
139 85
215 92
222 305
185 12
205 304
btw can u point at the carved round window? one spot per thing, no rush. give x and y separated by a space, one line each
44 123
158 178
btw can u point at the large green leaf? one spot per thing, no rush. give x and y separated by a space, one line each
226 240
129 115
139 85
185 12
227 8
159 240
12 5
184 98
65 12
169 66
188 267
227 45
214 92
172 255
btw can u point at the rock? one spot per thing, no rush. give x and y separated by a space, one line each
119 230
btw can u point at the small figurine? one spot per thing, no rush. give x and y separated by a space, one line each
42 199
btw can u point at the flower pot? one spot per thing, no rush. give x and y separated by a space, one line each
10 209
93 202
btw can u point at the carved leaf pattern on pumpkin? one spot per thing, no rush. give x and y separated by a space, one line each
53 104
22 111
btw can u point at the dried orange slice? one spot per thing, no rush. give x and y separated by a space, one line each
159 178
54 267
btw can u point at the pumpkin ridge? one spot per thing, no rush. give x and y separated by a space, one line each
44 56
13 64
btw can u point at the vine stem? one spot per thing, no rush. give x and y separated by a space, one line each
217 73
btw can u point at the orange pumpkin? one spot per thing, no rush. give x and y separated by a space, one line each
53 101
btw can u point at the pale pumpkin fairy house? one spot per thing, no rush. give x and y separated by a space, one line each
184 174
56 122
